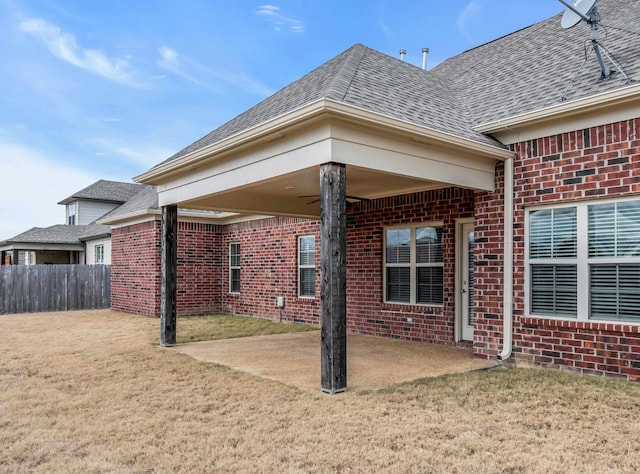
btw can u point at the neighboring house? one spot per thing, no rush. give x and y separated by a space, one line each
492 202
81 239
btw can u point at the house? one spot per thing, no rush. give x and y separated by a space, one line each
492 202
81 239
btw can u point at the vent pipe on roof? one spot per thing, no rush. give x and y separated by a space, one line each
402 53
425 52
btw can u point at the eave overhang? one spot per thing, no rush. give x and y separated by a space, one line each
272 130
599 109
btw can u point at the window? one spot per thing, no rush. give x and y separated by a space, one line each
307 266
99 250
71 213
414 265
234 268
584 261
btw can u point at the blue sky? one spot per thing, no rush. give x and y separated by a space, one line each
105 90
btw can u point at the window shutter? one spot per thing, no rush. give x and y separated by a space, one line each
554 290
615 291
399 284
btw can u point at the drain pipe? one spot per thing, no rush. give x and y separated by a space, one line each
507 297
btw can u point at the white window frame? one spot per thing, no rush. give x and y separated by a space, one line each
99 254
72 212
306 266
582 261
412 264
29 257
234 267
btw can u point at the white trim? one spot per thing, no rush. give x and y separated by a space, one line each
582 260
457 301
566 117
301 267
235 267
271 130
563 109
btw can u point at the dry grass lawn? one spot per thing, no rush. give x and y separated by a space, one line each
93 392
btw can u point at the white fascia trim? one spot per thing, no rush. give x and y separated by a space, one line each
269 131
125 218
145 215
563 109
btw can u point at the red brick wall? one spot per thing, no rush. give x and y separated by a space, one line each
367 312
269 267
135 268
581 165
200 283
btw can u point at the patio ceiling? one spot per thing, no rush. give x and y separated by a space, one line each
274 169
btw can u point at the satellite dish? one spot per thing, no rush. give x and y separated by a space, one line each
576 10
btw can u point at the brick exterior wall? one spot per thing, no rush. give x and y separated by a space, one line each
200 283
135 268
601 162
366 311
269 267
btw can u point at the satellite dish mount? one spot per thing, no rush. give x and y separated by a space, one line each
585 10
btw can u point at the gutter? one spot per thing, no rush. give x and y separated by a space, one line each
507 295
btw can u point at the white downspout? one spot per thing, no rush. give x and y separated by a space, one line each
507 297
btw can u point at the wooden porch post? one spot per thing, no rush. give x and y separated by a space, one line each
2 254
169 269
15 257
333 275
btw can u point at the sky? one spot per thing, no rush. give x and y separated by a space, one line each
106 90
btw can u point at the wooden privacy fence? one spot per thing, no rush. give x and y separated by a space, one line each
37 288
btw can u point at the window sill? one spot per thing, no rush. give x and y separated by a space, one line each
575 324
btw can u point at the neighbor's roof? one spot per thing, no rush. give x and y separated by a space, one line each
518 73
103 190
59 234
146 199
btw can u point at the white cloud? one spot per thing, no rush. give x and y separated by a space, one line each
39 182
467 18
64 46
197 73
140 155
271 13
173 62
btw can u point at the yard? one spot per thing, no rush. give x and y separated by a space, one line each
92 392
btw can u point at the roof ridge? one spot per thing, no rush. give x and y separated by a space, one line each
340 83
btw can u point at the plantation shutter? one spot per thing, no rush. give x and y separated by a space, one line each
306 266
614 235
429 260
398 254
554 282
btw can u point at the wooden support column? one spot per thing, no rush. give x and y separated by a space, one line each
16 257
333 275
169 269
2 257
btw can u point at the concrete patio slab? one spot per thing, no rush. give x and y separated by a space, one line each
372 362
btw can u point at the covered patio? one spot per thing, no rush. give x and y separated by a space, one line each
310 155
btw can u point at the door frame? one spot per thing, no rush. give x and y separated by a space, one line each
459 252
